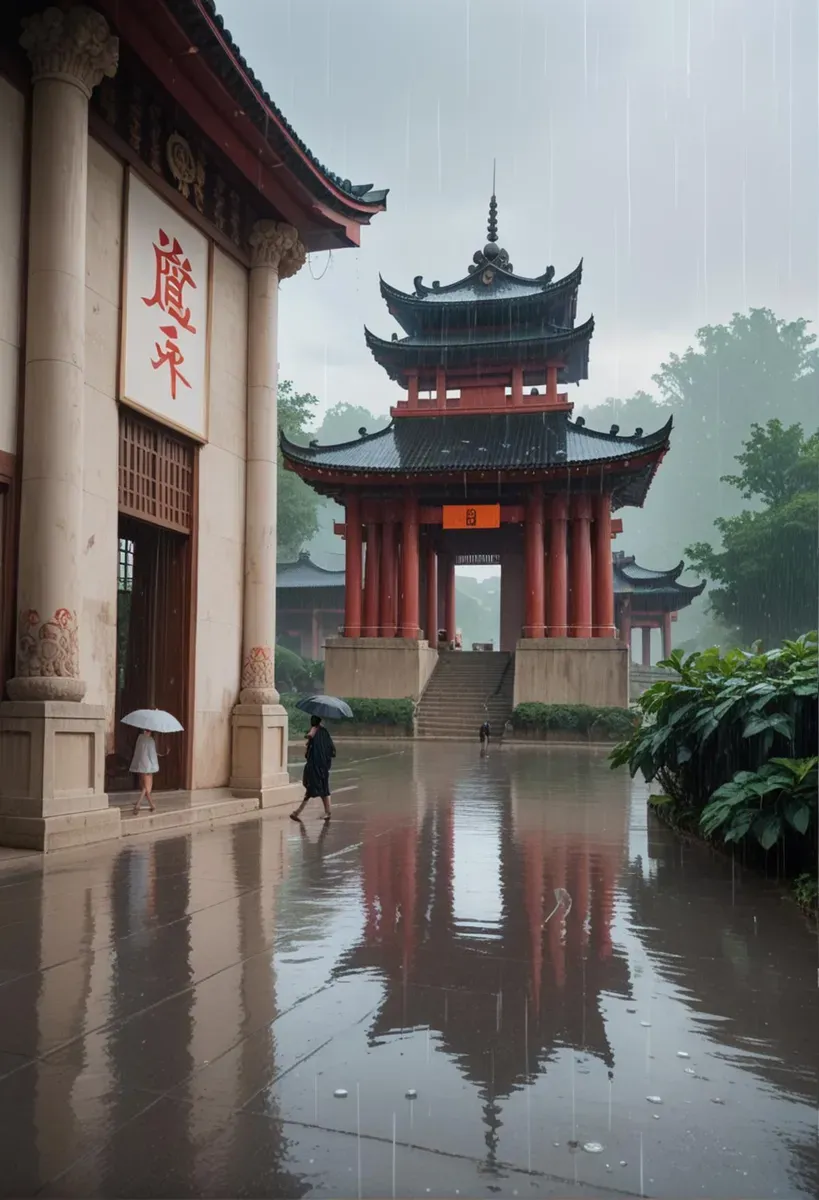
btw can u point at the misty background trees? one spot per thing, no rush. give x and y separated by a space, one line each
736 495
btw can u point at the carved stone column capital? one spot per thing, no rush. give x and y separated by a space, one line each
278 245
75 46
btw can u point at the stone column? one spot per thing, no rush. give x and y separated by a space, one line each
666 628
47 779
371 581
276 253
558 569
646 645
581 567
259 722
535 600
625 623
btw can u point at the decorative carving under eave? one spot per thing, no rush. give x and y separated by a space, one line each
76 46
236 218
199 183
278 245
181 163
219 204
155 127
135 120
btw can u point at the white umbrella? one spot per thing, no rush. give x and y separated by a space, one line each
153 719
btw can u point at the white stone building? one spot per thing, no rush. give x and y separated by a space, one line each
152 201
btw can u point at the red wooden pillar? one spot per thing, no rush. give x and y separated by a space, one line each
517 387
388 608
449 598
666 634
371 581
535 602
603 569
581 567
558 568
352 566
646 645
432 594
410 569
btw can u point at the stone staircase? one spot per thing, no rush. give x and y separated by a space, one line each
465 689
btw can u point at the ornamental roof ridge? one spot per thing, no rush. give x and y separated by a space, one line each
216 40
518 287
567 334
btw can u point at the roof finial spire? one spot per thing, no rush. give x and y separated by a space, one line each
492 223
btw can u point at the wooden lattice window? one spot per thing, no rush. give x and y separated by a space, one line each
156 473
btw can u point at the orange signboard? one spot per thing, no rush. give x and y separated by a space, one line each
471 516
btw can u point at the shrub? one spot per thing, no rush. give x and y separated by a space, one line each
708 734
396 713
577 718
806 892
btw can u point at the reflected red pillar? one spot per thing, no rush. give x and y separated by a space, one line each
449 605
558 568
646 645
581 619
352 567
410 569
371 581
535 601
557 922
603 569
387 606
533 892
432 595
666 634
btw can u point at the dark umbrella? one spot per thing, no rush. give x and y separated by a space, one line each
325 706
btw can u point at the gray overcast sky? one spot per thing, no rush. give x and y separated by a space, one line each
672 144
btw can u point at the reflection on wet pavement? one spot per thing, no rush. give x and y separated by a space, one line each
518 984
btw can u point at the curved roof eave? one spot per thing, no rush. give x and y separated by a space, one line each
211 37
566 336
547 285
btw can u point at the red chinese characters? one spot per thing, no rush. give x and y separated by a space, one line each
172 276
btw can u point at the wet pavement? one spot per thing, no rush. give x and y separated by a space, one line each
521 984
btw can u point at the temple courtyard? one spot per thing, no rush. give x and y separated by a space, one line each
487 976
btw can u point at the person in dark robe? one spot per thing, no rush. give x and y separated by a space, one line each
484 733
319 754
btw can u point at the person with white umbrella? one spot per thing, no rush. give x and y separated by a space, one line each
145 762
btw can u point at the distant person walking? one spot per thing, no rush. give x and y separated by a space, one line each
484 733
319 754
145 764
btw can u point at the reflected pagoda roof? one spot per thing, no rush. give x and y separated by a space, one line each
511 442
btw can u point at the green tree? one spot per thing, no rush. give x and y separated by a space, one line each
768 565
297 503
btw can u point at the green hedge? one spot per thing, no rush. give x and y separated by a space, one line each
396 713
575 718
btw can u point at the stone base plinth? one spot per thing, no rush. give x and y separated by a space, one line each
572 671
259 754
52 775
378 668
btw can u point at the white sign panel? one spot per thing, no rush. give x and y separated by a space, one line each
165 320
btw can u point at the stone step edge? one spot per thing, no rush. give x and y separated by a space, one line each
197 814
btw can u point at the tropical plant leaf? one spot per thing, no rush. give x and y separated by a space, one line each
797 814
768 829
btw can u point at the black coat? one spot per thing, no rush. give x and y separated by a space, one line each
319 755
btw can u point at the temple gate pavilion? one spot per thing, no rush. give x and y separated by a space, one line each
482 464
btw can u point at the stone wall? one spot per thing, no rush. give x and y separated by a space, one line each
377 668
221 528
12 134
572 671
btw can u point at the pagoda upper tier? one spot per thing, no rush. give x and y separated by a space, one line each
487 336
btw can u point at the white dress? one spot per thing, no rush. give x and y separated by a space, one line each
145 760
